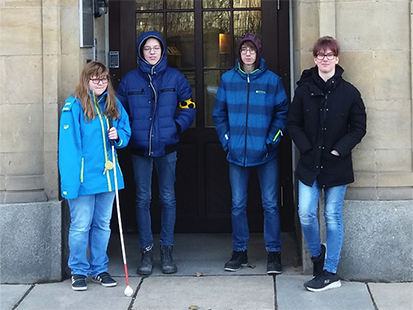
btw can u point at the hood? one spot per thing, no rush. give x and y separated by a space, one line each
143 64
254 40
311 75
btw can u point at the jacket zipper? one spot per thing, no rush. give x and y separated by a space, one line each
246 120
155 101
102 126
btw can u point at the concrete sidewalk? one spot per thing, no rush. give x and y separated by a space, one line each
202 284
283 292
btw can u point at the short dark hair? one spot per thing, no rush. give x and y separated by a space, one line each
249 44
325 43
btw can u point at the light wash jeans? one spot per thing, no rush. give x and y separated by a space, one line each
333 215
268 178
165 168
90 225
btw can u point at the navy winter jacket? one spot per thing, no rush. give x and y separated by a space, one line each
250 114
158 101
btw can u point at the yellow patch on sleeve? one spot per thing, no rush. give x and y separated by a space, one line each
187 104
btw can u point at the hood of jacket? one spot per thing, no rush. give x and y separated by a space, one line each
312 79
256 42
143 64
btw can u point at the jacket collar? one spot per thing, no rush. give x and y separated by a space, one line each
254 74
316 84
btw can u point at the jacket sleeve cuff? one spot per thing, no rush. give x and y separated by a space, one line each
70 193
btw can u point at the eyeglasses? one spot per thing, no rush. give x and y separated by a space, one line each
245 50
147 49
322 56
96 81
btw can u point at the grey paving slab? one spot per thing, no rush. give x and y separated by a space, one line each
206 293
291 295
392 296
52 296
10 295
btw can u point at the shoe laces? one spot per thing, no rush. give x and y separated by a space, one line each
237 254
323 275
166 252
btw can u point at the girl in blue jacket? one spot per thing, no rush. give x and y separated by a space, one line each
87 170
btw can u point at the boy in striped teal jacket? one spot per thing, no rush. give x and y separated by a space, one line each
250 114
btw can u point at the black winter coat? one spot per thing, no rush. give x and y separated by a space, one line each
326 116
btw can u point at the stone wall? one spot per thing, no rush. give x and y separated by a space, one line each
31 242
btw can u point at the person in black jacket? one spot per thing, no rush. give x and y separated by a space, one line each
327 119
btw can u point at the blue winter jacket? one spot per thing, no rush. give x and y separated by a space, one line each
158 101
250 114
85 153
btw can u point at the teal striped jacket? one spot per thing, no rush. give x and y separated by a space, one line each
250 114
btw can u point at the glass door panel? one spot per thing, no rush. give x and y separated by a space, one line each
149 4
180 40
179 4
247 3
211 83
246 21
217 39
148 21
215 4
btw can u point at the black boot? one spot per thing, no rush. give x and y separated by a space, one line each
167 263
146 265
318 262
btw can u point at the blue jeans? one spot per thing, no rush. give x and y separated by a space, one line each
333 215
165 168
90 225
268 178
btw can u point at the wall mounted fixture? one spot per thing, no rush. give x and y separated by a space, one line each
100 7
86 13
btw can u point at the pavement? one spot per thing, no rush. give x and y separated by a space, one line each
202 284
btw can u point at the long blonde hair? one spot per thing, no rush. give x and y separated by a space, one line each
82 92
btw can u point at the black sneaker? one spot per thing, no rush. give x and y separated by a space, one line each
318 262
238 259
274 263
105 279
146 265
79 282
323 281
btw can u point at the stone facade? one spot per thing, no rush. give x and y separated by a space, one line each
40 62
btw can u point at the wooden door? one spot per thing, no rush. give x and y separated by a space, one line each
201 36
